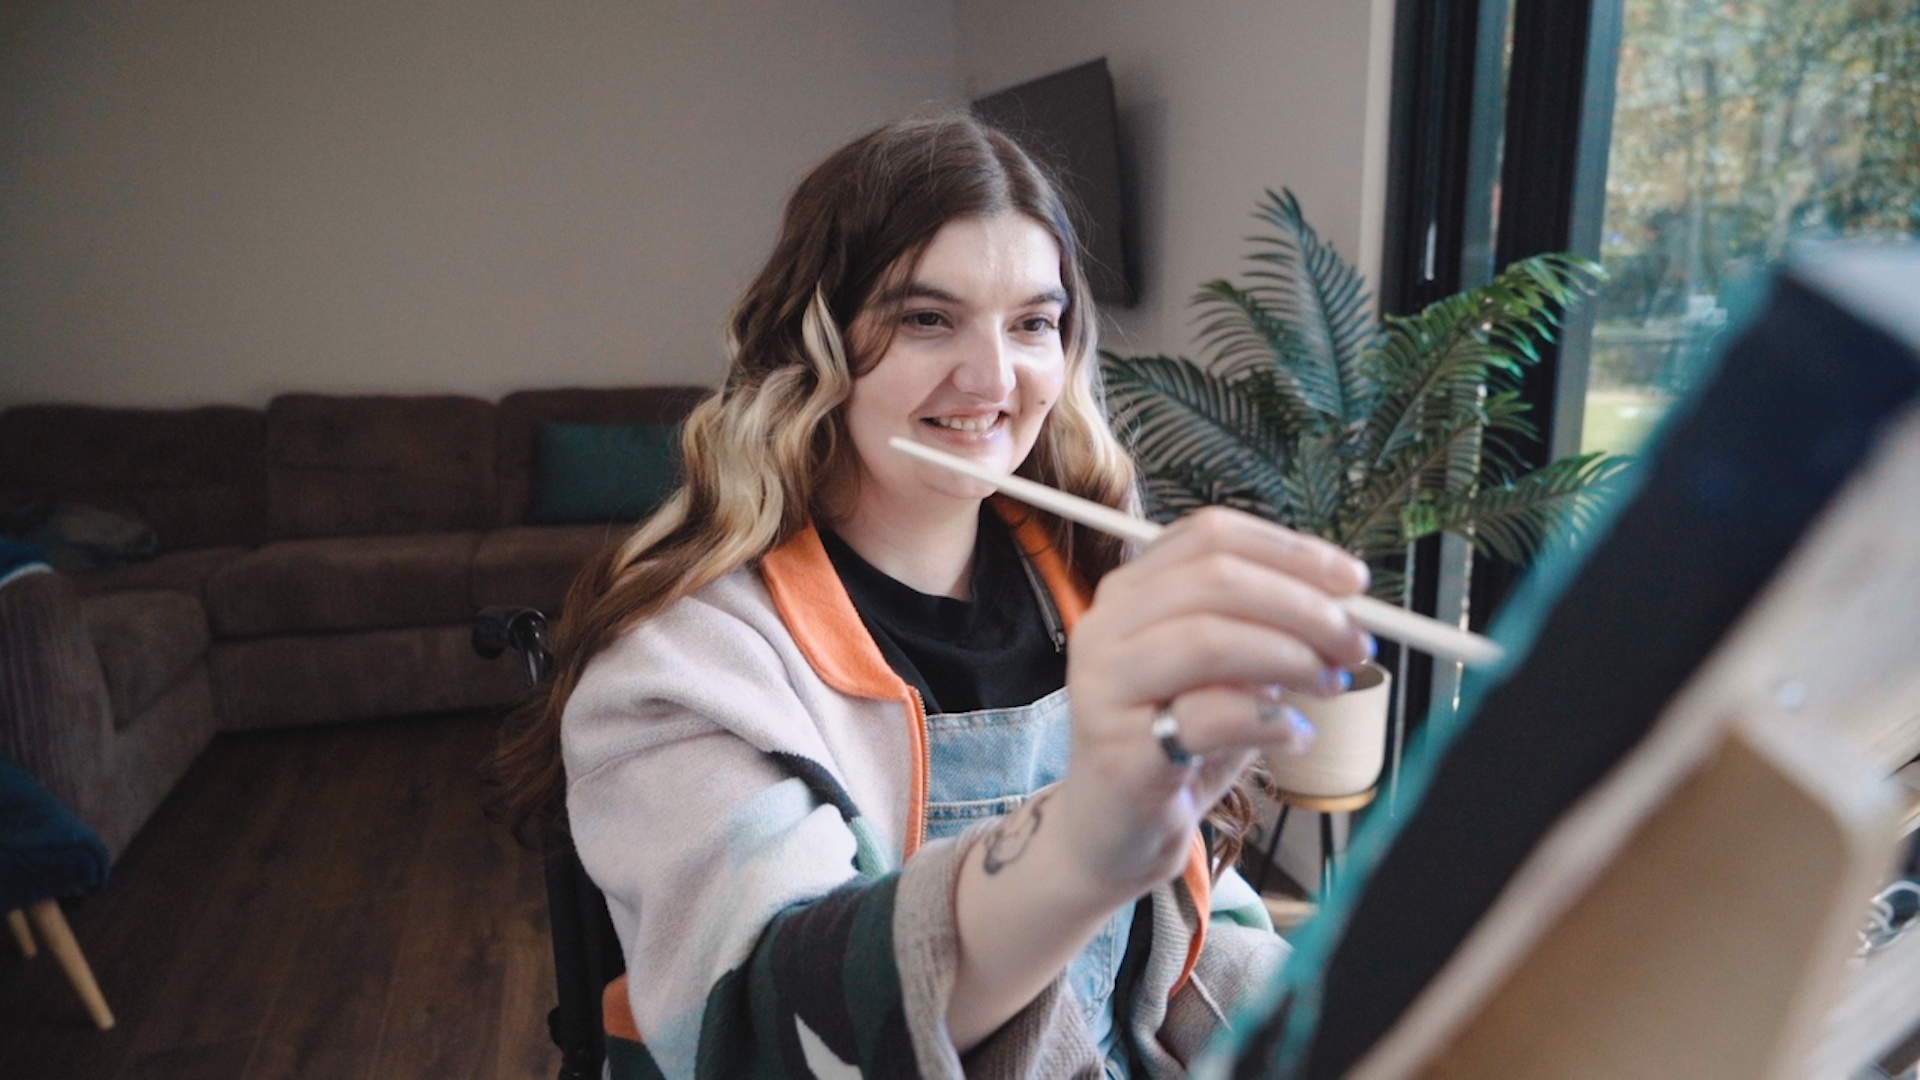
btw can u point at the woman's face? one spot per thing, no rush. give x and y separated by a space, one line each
975 364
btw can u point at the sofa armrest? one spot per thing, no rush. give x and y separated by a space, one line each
55 716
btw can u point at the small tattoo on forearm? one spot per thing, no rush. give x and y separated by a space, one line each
1010 838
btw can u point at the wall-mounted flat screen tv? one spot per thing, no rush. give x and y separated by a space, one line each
1068 120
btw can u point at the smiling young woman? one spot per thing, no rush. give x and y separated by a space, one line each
974 365
860 757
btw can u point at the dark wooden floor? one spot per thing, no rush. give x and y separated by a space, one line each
323 902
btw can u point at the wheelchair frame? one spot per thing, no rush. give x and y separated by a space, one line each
586 952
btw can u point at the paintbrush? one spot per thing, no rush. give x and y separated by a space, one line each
1428 635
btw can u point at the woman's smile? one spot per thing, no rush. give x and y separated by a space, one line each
966 428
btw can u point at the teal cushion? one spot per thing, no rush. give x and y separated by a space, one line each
79 539
45 851
593 473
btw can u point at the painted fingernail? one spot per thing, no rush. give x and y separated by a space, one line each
1373 646
1302 729
1335 681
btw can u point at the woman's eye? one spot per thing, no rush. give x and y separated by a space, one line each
924 320
1038 324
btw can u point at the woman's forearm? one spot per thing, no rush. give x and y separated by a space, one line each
1021 916
1024 907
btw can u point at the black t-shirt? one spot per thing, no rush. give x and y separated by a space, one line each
994 651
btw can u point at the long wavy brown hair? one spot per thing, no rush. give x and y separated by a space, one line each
759 455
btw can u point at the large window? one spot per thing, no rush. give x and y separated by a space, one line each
1738 128
1684 143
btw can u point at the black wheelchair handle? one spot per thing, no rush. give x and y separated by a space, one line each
522 629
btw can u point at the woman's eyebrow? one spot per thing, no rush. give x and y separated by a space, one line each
920 290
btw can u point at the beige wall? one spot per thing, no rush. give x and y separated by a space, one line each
218 200
1219 100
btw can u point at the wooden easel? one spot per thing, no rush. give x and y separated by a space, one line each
1691 956
1695 915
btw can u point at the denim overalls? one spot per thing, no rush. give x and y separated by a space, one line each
984 764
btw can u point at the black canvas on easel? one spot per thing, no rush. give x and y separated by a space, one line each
1791 411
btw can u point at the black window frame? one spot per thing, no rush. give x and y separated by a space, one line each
1559 129
1465 116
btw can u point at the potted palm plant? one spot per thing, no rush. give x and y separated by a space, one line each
1307 410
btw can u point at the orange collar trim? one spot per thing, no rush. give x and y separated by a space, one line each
1070 592
823 621
818 612
820 615
616 1011
1200 886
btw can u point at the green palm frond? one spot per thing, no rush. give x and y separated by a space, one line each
1438 466
1309 287
1169 498
1427 362
1424 363
1373 435
1479 337
1388 582
1315 488
1239 331
1179 417
1246 340
1516 519
1278 398
1532 295
1503 414
1173 493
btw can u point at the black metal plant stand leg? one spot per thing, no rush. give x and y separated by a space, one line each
1326 855
1273 846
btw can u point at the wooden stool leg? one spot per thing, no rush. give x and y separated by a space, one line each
53 926
22 934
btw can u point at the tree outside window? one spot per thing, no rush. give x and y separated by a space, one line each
1738 129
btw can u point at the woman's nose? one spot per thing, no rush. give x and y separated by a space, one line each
985 369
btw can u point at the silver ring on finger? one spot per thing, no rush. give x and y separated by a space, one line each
1166 731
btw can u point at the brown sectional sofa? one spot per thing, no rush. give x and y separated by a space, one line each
322 560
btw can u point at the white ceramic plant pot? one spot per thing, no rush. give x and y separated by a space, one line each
1350 738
